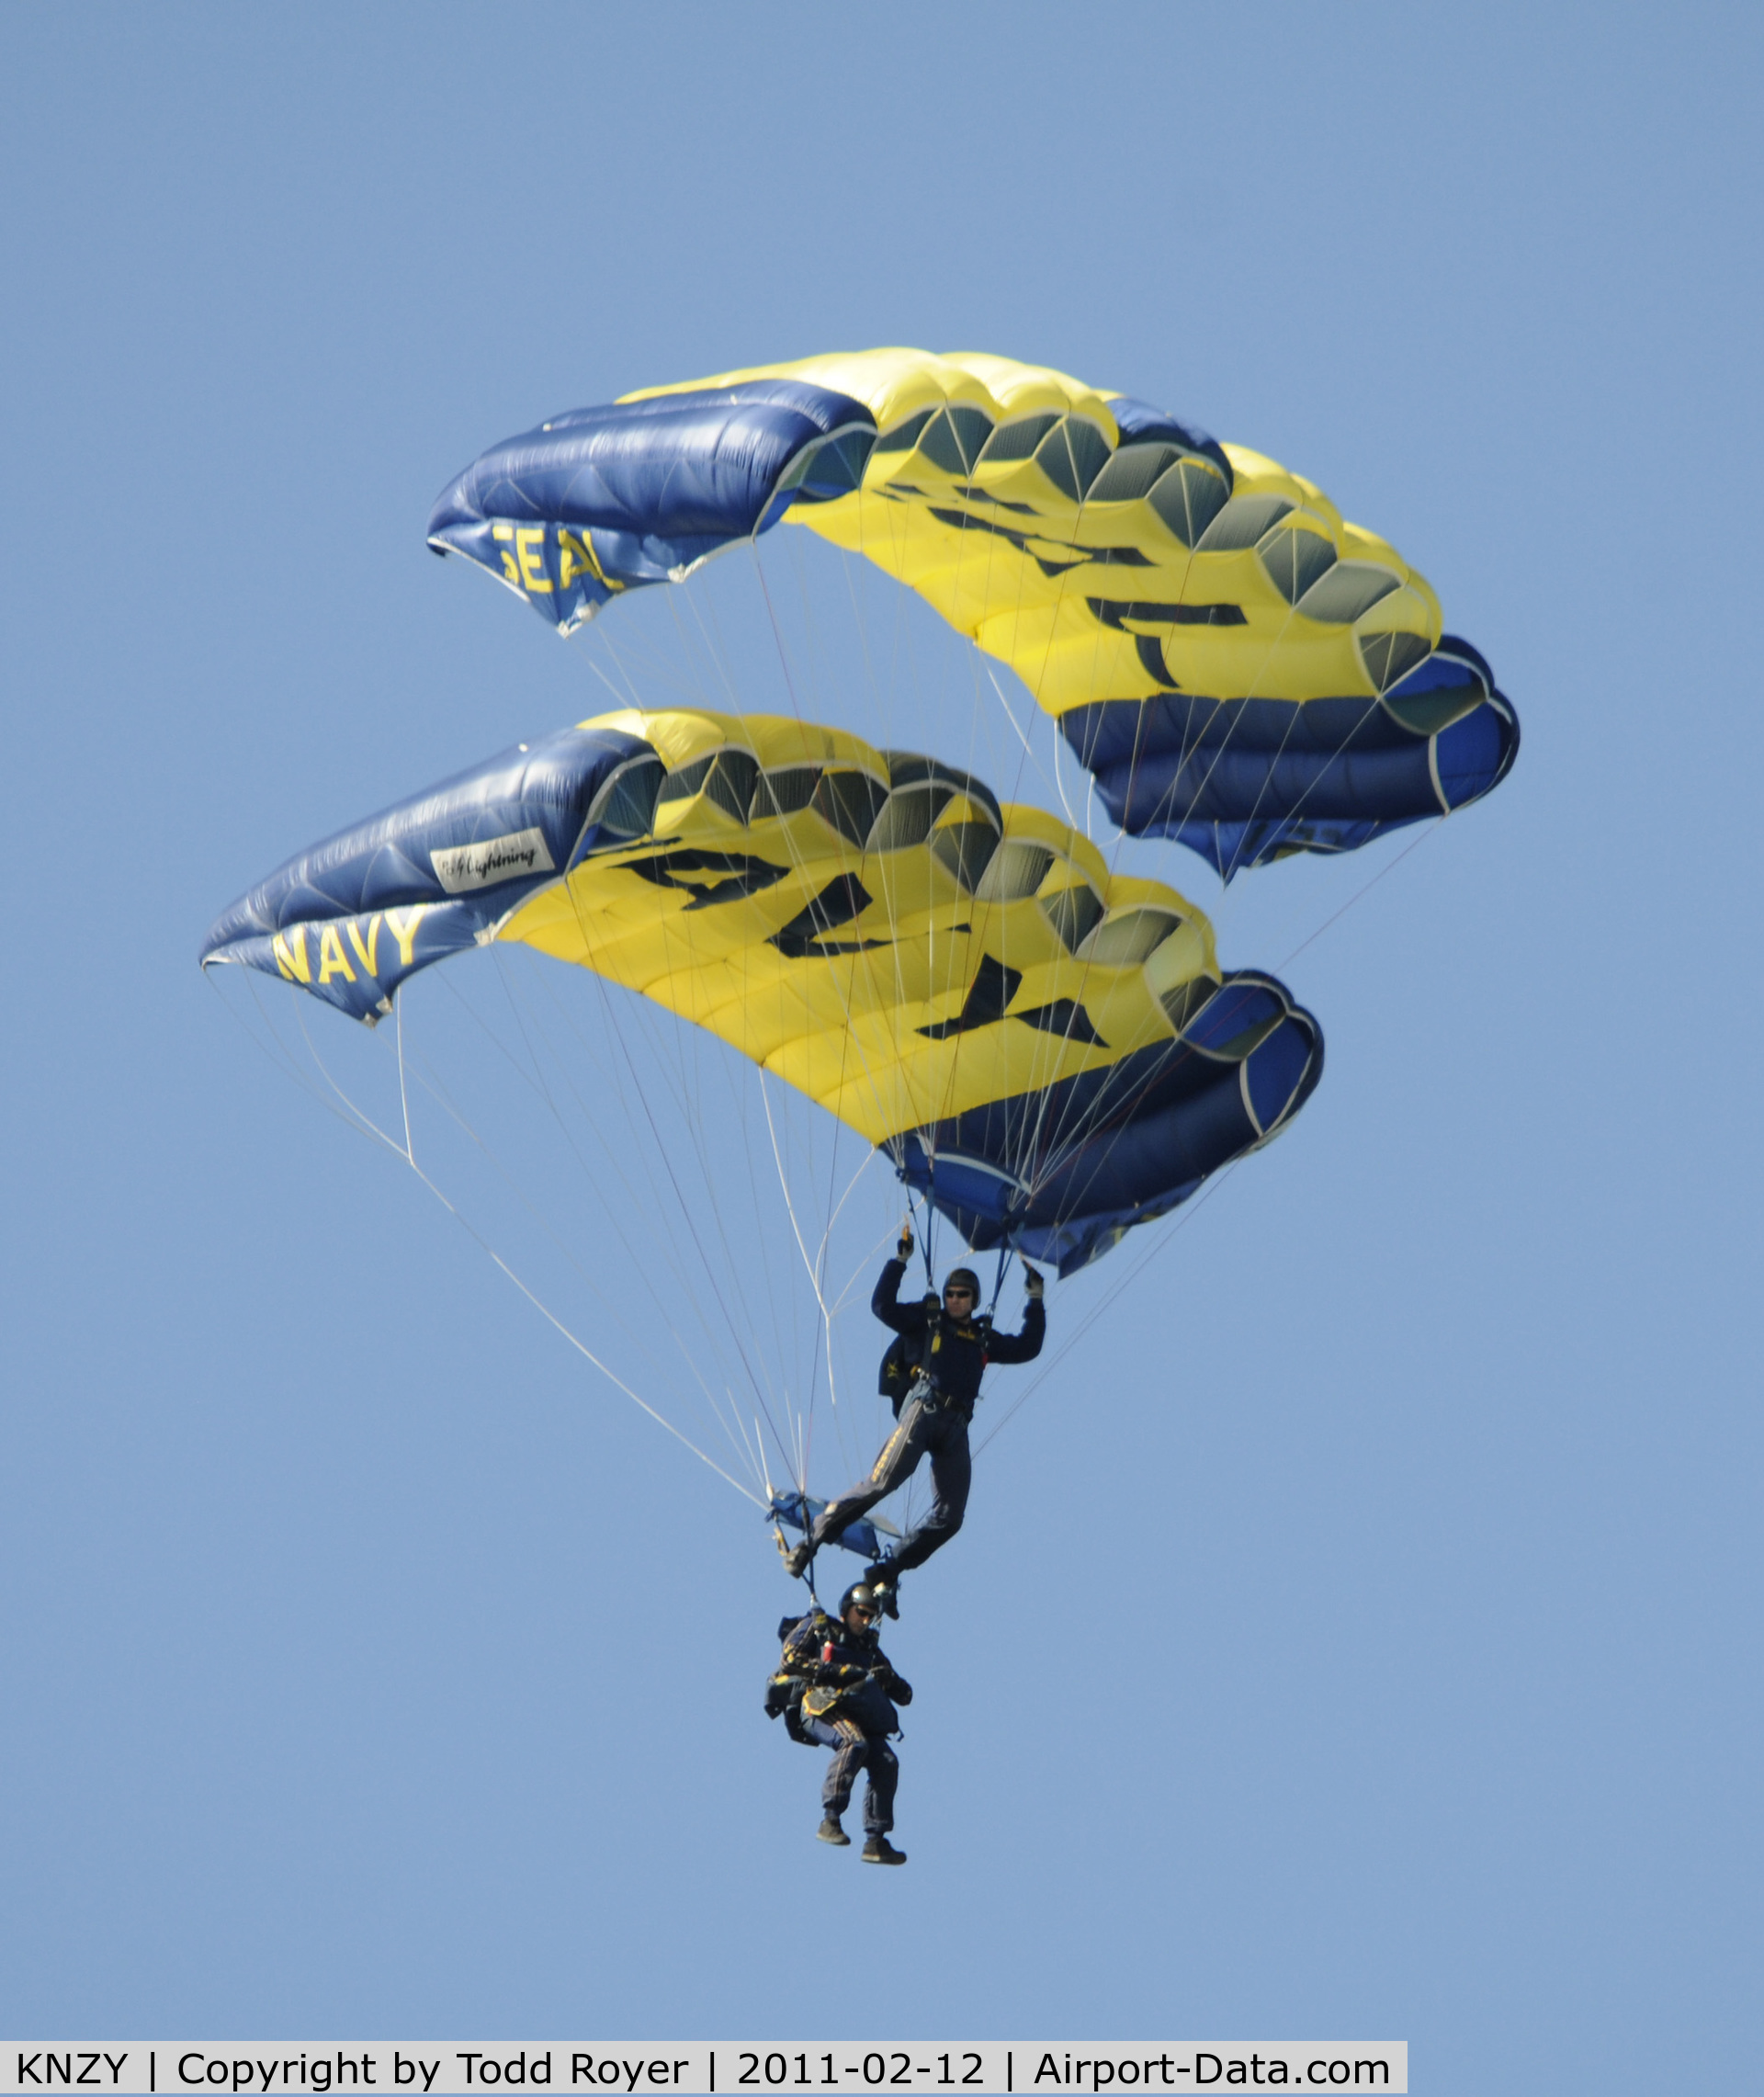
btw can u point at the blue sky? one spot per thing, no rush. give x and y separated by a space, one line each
1354 1634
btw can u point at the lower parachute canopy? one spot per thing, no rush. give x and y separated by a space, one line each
1049 1053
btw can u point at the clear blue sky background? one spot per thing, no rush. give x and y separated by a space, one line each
1357 1634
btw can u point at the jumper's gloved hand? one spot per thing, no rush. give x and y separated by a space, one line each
1034 1286
903 1249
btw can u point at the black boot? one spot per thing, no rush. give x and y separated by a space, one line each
879 1850
829 1831
881 1583
795 1560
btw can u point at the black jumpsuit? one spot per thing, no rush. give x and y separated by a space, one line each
949 1355
848 1706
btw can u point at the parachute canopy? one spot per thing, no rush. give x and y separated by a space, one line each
1238 667
1048 1053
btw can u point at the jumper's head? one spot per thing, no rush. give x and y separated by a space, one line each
961 1292
858 1608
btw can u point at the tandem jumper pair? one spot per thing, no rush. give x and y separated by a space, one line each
833 1685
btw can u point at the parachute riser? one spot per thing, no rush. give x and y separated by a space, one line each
926 1225
1005 1251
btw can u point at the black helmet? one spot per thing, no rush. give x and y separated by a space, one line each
959 1277
862 1598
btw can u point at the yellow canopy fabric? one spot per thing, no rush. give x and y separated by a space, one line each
1098 553
842 945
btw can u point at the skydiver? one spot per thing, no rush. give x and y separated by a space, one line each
932 1374
835 1685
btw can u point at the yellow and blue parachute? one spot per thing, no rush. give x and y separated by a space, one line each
1236 666
1047 1053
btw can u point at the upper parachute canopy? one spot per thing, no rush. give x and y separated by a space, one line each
1237 666
1050 1053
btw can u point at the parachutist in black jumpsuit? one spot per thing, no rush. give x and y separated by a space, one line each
836 1686
945 1352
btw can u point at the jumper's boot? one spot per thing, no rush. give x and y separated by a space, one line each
795 1560
829 1831
881 1583
879 1850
